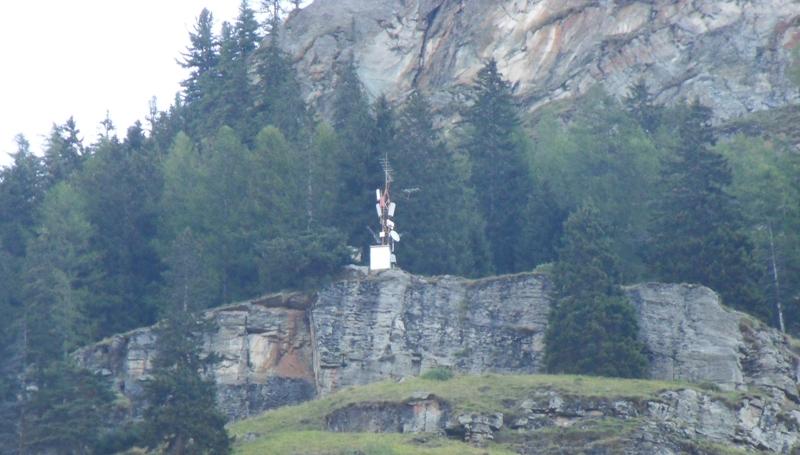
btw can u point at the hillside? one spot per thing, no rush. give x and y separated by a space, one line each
618 195
494 414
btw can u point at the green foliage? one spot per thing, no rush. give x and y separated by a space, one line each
121 187
65 410
697 227
278 100
181 413
499 175
642 108
358 162
201 57
442 232
438 374
765 184
605 157
64 152
592 329
303 260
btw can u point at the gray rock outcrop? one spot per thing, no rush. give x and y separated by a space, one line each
288 348
395 324
265 351
672 422
732 55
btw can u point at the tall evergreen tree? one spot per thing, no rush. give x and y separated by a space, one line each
122 186
359 164
442 233
22 189
64 151
696 231
499 174
642 108
200 58
227 221
278 98
592 329
61 405
181 417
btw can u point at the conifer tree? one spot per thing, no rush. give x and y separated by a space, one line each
359 164
696 230
593 329
122 185
642 108
227 221
61 405
181 417
438 219
22 189
500 176
64 152
200 58
278 98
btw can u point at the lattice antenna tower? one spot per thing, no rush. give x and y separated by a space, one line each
382 255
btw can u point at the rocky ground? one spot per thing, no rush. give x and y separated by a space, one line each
526 415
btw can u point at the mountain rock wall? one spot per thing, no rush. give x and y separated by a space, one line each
731 54
288 348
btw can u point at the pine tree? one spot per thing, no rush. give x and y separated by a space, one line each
500 175
696 231
592 329
181 417
437 217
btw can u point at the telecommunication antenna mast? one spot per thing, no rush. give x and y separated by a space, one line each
381 255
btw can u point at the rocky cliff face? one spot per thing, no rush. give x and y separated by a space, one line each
732 55
287 348
671 422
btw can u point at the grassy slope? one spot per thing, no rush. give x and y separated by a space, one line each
300 429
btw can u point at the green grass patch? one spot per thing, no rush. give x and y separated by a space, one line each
323 443
301 429
438 374
481 394
605 435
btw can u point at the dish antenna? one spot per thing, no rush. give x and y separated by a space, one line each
381 255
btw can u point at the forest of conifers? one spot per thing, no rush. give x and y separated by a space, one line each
241 188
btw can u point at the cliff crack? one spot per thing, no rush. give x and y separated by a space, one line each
429 20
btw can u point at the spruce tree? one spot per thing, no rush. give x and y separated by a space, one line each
22 189
642 108
442 231
64 152
592 328
61 406
277 96
200 58
359 164
500 175
122 185
181 416
697 229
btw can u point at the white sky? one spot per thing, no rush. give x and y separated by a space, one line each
80 58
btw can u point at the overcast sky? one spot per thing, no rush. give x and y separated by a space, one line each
81 58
